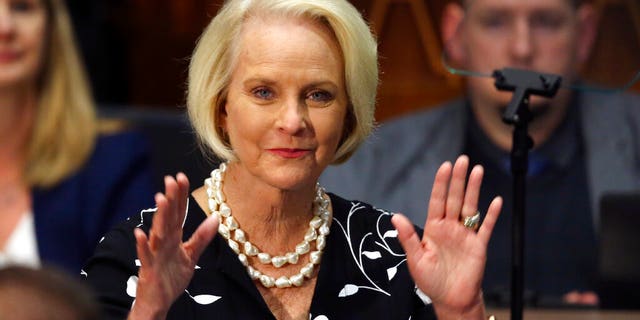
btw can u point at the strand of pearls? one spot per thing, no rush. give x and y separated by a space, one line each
237 238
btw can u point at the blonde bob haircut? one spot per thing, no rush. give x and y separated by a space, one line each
64 130
213 62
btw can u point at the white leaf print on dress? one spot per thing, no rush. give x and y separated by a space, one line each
391 234
348 290
357 252
373 255
203 299
132 286
391 272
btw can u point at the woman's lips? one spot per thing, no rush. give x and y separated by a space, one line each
290 153
8 56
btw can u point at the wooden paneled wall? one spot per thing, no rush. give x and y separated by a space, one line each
162 34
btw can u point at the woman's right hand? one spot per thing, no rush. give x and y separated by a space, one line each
167 263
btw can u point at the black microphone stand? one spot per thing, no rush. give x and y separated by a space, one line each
523 84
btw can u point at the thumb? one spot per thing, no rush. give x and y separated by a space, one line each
202 237
406 235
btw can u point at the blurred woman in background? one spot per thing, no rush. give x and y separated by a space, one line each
64 178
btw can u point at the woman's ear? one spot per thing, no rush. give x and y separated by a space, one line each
221 115
452 19
588 19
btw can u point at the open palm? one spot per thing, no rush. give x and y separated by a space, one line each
447 264
167 263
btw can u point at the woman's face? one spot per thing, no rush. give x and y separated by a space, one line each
286 102
22 34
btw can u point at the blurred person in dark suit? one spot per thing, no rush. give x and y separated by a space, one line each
585 143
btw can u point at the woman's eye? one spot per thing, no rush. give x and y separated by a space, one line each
22 5
320 96
263 93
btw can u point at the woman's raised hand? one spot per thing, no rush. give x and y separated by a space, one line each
167 263
447 264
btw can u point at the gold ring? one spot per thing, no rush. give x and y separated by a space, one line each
472 222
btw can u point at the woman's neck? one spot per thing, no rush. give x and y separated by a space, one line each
274 219
17 109
17 115
265 211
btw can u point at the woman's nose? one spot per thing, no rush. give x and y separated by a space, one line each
6 21
292 117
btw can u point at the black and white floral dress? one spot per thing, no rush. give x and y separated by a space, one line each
363 273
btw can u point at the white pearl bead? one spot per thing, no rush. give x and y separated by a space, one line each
292 257
253 273
220 196
296 279
321 242
278 261
225 211
315 222
216 175
302 248
231 223
314 257
250 249
310 235
239 236
209 184
267 281
264 257
224 231
283 282
307 270
243 259
324 229
234 246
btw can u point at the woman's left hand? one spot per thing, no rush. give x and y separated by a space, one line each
447 264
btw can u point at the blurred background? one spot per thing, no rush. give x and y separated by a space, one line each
137 51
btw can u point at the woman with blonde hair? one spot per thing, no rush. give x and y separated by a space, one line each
63 182
280 89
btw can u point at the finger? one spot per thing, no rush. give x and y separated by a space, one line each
484 233
142 247
159 228
407 236
455 197
202 237
172 195
472 194
439 192
183 186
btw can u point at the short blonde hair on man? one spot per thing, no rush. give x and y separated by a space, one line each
213 63
64 131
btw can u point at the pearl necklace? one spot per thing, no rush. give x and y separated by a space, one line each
236 237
